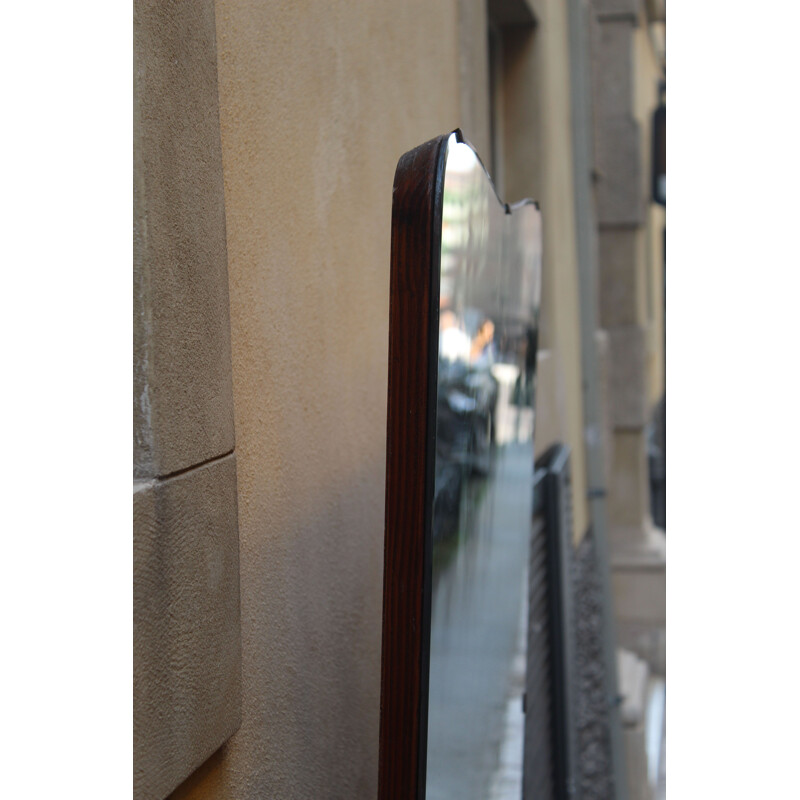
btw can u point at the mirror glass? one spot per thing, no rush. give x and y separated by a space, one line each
488 326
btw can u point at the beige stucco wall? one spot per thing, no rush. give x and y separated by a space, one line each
317 103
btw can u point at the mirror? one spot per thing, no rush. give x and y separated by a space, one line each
465 293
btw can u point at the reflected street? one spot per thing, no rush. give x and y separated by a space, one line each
477 600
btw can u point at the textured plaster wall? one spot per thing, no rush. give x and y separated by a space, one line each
317 103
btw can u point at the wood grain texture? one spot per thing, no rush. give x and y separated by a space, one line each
414 289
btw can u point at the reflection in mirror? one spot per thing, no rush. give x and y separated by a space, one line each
482 495
463 324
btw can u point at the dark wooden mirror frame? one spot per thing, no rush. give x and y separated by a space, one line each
412 385
416 252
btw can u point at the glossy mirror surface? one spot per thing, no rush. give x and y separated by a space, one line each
482 499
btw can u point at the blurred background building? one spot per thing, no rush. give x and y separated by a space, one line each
266 137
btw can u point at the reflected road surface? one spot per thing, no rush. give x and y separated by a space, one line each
478 590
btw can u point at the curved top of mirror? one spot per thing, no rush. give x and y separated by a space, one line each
490 251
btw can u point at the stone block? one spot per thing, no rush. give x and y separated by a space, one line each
628 498
612 75
620 298
628 350
640 593
620 197
186 624
618 9
183 398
